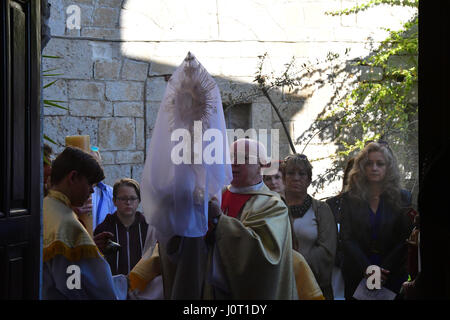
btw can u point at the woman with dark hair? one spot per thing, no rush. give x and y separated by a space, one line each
275 181
375 223
314 229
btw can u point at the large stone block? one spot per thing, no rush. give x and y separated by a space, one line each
116 172
140 134
288 110
92 90
89 108
101 33
75 58
233 91
261 116
59 16
142 51
117 134
136 172
106 17
86 11
54 111
107 157
169 20
158 68
107 70
155 88
103 50
110 3
134 70
57 91
129 109
152 109
123 157
124 91
57 21
58 127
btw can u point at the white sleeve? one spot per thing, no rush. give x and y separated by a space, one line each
86 279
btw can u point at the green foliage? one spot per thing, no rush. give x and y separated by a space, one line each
48 102
374 3
379 105
383 107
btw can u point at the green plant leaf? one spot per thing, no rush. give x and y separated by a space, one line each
50 140
50 103
49 84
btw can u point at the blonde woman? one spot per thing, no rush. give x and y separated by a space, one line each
375 224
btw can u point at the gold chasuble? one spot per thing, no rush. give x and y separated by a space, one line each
63 233
256 249
254 254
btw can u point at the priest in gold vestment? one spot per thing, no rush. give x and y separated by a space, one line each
246 254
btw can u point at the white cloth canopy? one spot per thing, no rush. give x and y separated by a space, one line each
175 195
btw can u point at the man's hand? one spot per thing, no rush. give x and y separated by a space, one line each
213 208
101 239
384 275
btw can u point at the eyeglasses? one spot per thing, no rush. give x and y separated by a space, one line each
125 199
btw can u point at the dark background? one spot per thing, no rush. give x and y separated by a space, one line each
434 134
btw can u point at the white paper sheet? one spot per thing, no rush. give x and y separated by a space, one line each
363 293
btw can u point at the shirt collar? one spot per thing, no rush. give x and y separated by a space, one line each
246 189
101 186
59 196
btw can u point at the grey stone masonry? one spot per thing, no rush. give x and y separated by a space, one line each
116 65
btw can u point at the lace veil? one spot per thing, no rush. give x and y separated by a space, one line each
176 182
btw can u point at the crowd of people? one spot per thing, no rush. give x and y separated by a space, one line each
267 238
212 230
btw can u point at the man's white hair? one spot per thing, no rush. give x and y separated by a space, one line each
257 152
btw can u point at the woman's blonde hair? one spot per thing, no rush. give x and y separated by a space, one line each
357 181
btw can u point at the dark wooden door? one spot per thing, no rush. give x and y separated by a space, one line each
20 148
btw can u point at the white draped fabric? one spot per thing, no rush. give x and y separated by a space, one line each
175 195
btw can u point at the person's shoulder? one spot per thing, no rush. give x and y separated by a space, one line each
267 201
109 220
140 217
109 189
320 203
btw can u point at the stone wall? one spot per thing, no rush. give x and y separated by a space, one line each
116 65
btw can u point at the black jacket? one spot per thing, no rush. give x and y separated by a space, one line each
357 244
131 239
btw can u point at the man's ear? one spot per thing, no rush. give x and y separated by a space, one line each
72 176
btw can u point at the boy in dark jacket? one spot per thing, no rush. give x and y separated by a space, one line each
126 226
